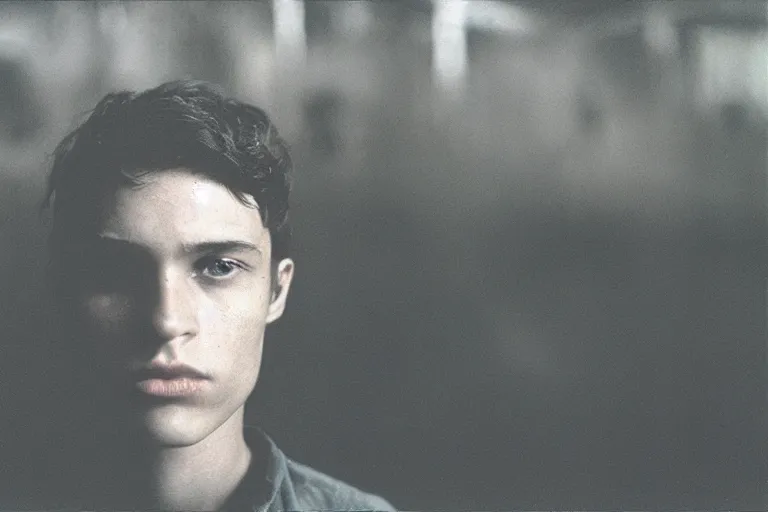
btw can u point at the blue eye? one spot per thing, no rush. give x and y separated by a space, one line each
218 268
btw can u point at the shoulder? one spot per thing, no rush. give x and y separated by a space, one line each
317 491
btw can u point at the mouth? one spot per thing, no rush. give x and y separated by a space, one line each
169 381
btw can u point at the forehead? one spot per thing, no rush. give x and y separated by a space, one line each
179 206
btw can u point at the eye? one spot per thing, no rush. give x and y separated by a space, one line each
218 268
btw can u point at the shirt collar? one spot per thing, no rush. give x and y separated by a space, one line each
258 490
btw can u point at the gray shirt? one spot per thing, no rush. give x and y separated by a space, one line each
276 483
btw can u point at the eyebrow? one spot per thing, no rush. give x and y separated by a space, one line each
220 246
196 247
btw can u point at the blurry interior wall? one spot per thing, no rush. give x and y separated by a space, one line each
541 285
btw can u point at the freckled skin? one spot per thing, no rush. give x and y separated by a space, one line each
209 314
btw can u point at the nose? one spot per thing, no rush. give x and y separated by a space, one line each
174 315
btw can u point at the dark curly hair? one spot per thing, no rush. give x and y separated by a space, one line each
187 124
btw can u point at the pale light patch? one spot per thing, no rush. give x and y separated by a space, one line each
201 193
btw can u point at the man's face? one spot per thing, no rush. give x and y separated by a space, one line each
179 273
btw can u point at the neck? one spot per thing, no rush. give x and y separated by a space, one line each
197 477
201 476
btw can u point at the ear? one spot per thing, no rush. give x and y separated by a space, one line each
283 278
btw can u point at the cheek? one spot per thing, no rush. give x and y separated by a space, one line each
235 329
233 311
103 322
107 314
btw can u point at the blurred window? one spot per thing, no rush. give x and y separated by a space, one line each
732 68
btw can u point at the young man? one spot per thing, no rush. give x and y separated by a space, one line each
169 257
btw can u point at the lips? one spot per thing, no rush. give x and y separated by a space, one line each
169 380
169 371
170 388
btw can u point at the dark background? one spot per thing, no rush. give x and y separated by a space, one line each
539 287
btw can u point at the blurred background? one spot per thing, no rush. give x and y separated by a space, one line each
530 235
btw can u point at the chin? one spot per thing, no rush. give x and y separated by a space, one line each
175 427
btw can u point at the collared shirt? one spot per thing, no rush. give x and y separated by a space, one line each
276 483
